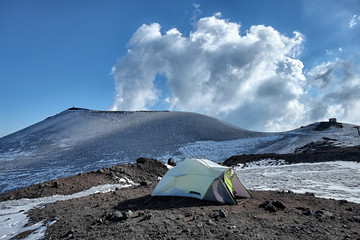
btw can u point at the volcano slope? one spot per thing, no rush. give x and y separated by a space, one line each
81 140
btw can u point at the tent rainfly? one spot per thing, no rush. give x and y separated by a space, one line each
202 179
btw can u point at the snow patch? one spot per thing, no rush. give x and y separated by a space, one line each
221 150
337 180
13 216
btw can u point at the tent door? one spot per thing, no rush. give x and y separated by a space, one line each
219 192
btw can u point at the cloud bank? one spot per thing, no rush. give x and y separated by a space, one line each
335 87
253 80
354 21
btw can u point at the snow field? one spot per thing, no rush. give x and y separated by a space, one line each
13 212
337 180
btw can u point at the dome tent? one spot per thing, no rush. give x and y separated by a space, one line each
202 179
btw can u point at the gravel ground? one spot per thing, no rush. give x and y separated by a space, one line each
128 213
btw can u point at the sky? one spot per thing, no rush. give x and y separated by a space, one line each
260 65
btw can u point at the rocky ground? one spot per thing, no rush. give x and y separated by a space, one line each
129 213
321 151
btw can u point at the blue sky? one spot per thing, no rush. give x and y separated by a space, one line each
59 54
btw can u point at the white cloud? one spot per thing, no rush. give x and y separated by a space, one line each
254 80
354 21
328 52
195 14
196 5
337 84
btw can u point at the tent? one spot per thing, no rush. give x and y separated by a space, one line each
202 179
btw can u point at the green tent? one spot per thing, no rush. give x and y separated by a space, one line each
202 179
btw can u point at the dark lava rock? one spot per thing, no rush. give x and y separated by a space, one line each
171 162
324 214
343 201
278 204
147 216
356 219
127 214
223 213
144 183
273 206
141 160
56 184
270 208
307 212
118 216
115 217
264 204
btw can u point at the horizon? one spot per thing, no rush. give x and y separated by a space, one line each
73 108
258 65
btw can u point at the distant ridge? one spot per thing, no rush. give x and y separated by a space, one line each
104 111
80 139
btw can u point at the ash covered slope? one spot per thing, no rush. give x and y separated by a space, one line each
320 133
79 140
308 138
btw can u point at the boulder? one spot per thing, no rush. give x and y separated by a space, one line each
147 216
141 160
278 204
127 214
223 213
115 217
171 162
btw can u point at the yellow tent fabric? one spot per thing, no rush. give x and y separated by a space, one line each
228 180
